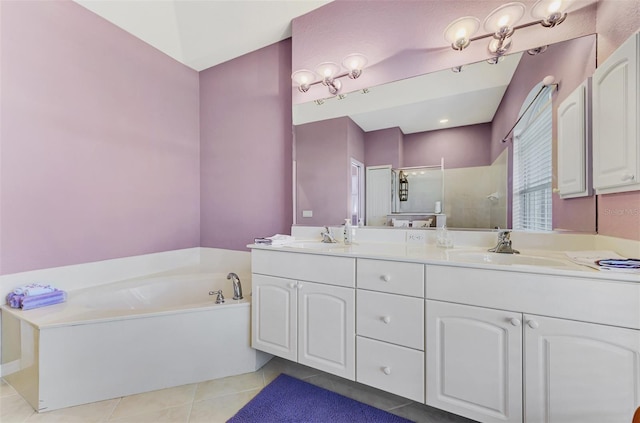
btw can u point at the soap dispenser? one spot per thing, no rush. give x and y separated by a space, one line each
348 233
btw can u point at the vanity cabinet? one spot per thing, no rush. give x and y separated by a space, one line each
511 341
390 327
574 146
616 132
308 322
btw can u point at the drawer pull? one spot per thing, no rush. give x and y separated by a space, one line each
515 322
533 324
627 177
385 278
386 319
386 370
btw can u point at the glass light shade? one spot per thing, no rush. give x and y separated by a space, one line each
500 46
550 12
460 31
545 8
327 70
303 78
354 63
504 18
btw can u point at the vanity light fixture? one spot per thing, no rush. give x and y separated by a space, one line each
548 81
502 22
330 73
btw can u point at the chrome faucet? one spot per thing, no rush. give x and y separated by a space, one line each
327 237
504 243
237 287
219 296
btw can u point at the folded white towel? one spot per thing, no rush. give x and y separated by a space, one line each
281 239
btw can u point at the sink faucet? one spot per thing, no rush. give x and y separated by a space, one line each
504 243
237 287
327 237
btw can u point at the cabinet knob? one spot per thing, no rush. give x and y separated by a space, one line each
386 319
533 324
300 285
627 177
515 322
292 285
386 278
386 370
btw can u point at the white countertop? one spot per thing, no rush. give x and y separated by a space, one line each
529 261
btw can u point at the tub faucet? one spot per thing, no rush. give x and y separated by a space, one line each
237 287
219 296
504 244
327 237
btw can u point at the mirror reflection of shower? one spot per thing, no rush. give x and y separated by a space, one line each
427 188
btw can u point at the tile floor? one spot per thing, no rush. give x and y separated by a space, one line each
212 401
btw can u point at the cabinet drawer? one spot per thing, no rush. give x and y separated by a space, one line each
391 276
305 267
391 368
391 318
576 298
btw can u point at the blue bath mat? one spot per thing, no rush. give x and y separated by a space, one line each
291 400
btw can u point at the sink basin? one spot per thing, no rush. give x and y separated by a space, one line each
504 259
318 246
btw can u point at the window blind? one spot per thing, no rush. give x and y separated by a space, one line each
532 169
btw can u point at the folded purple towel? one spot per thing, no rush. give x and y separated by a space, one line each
33 289
14 300
37 301
34 301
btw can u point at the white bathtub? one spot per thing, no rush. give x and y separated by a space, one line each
128 337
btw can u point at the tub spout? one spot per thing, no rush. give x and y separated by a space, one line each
237 286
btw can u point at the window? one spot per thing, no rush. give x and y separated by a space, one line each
532 164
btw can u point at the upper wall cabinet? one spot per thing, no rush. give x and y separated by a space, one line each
574 143
616 139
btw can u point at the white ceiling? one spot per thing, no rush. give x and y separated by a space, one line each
204 33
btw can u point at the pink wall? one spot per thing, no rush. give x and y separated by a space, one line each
618 214
570 62
465 146
246 148
384 147
323 152
99 141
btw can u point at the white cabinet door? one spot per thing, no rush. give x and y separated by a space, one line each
573 145
580 372
616 151
326 328
474 361
274 316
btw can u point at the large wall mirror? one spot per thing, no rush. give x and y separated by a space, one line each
457 117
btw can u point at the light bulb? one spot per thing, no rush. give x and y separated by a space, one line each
303 78
328 70
459 32
354 63
502 19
